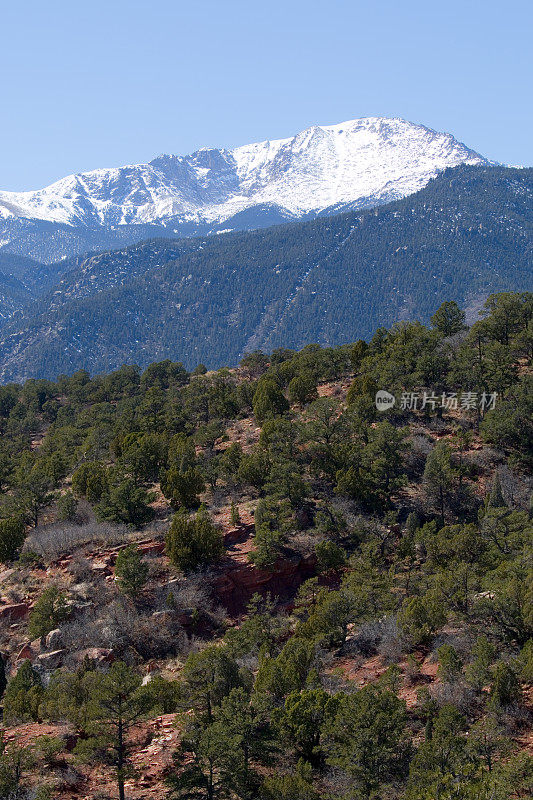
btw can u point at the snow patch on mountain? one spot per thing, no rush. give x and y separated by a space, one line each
356 163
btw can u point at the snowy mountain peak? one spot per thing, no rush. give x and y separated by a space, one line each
356 163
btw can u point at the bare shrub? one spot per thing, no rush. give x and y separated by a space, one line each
80 568
129 632
80 633
366 638
157 566
478 462
516 718
516 487
456 694
62 538
438 424
189 594
415 458
461 641
69 778
391 645
132 635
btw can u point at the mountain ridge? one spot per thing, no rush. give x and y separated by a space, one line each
323 169
467 234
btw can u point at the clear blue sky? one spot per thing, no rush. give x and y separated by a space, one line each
87 84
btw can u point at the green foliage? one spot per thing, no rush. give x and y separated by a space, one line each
268 401
116 701
143 455
259 631
448 318
439 477
49 748
478 672
12 535
234 516
302 720
182 488
255 363
15 763
90 481
505 688
272 523
390 574
286 483
23 695
162 696
131 571
287 672
254 468
509 426
297 785
209 676
421 617
215 755
374 469
230 460
48 612
368 734
525 662
329 556
450 665
33 489
66 507
302 388
203 750
126 502
193 542
440 759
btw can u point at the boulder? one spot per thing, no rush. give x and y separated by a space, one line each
53 640
102 655
26 651
152 547
52 660
15 611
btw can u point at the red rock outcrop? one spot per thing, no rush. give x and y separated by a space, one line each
237 583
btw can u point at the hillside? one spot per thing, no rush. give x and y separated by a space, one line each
252 583
355 164
331 280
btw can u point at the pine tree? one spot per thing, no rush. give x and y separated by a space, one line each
50 609
235 517
193 542
116 703
23 695
448 318
131 571
496 497
12 535
268 400
438 477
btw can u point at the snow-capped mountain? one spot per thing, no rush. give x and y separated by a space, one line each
354 164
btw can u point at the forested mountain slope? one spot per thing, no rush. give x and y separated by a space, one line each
252 583
467 234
